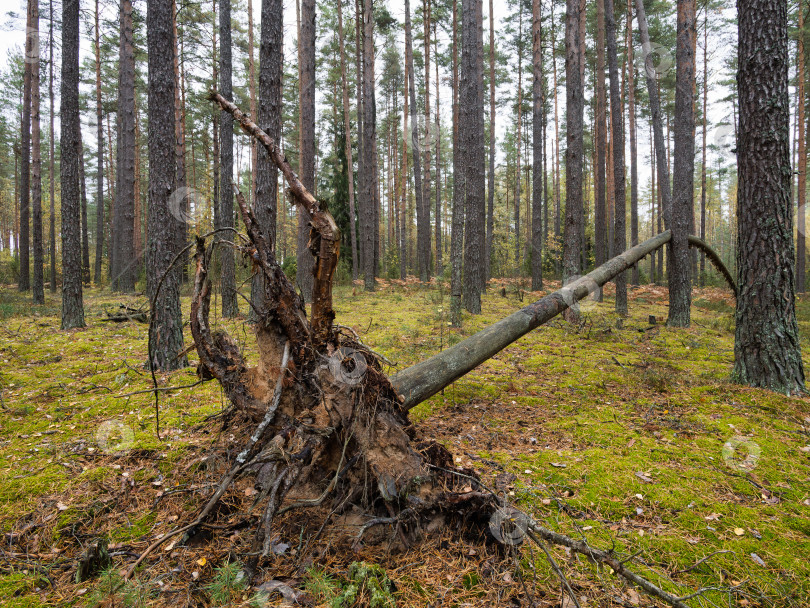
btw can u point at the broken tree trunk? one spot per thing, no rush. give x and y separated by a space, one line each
421 381
326 420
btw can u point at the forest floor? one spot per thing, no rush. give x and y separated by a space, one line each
627 434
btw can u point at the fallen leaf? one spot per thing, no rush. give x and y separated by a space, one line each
643 477
757 559
559 465
633 597
202 561
739 531
712 517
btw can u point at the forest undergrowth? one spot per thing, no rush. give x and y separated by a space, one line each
620 431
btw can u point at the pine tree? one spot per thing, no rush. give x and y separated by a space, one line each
574 109
166 328
683 172
72 303
38 290
471 138
766 339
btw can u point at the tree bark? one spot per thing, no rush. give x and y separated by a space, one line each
370 151
702 270
574 109
38 286
537 149
126 272
83 217
801 227
422 208
617 147
679 262
180 180
271 50
661 162
600 127
425 144
457 220
253 107
519 132
471 137
166 327
306 65
492 139
31 55
557 179
631 111
348 137
766 340
438 221
52 151
230 306
72 306
100 221
418 382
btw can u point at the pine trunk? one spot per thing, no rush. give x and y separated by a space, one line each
471 138
265 203
702 270
230 306
369 214
38 286
100 231
422 209
426 143
574 109
72 305
348 141
438 137
306 65
166 324
617 149
766 345
661 162
802 164
457 219
679 261
537 150
600 127
52 152
31 56
491 172
126 273
631 110
84 227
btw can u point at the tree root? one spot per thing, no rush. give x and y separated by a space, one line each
326 421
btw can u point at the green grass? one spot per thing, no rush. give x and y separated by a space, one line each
602 404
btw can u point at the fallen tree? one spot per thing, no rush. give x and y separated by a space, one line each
421 381
322 416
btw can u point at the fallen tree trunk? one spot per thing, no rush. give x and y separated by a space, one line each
421 381
325 419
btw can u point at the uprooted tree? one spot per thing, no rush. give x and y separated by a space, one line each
325 419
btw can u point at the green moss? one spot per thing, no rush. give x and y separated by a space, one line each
607 403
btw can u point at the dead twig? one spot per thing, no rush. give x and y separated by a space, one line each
696 564
161 388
